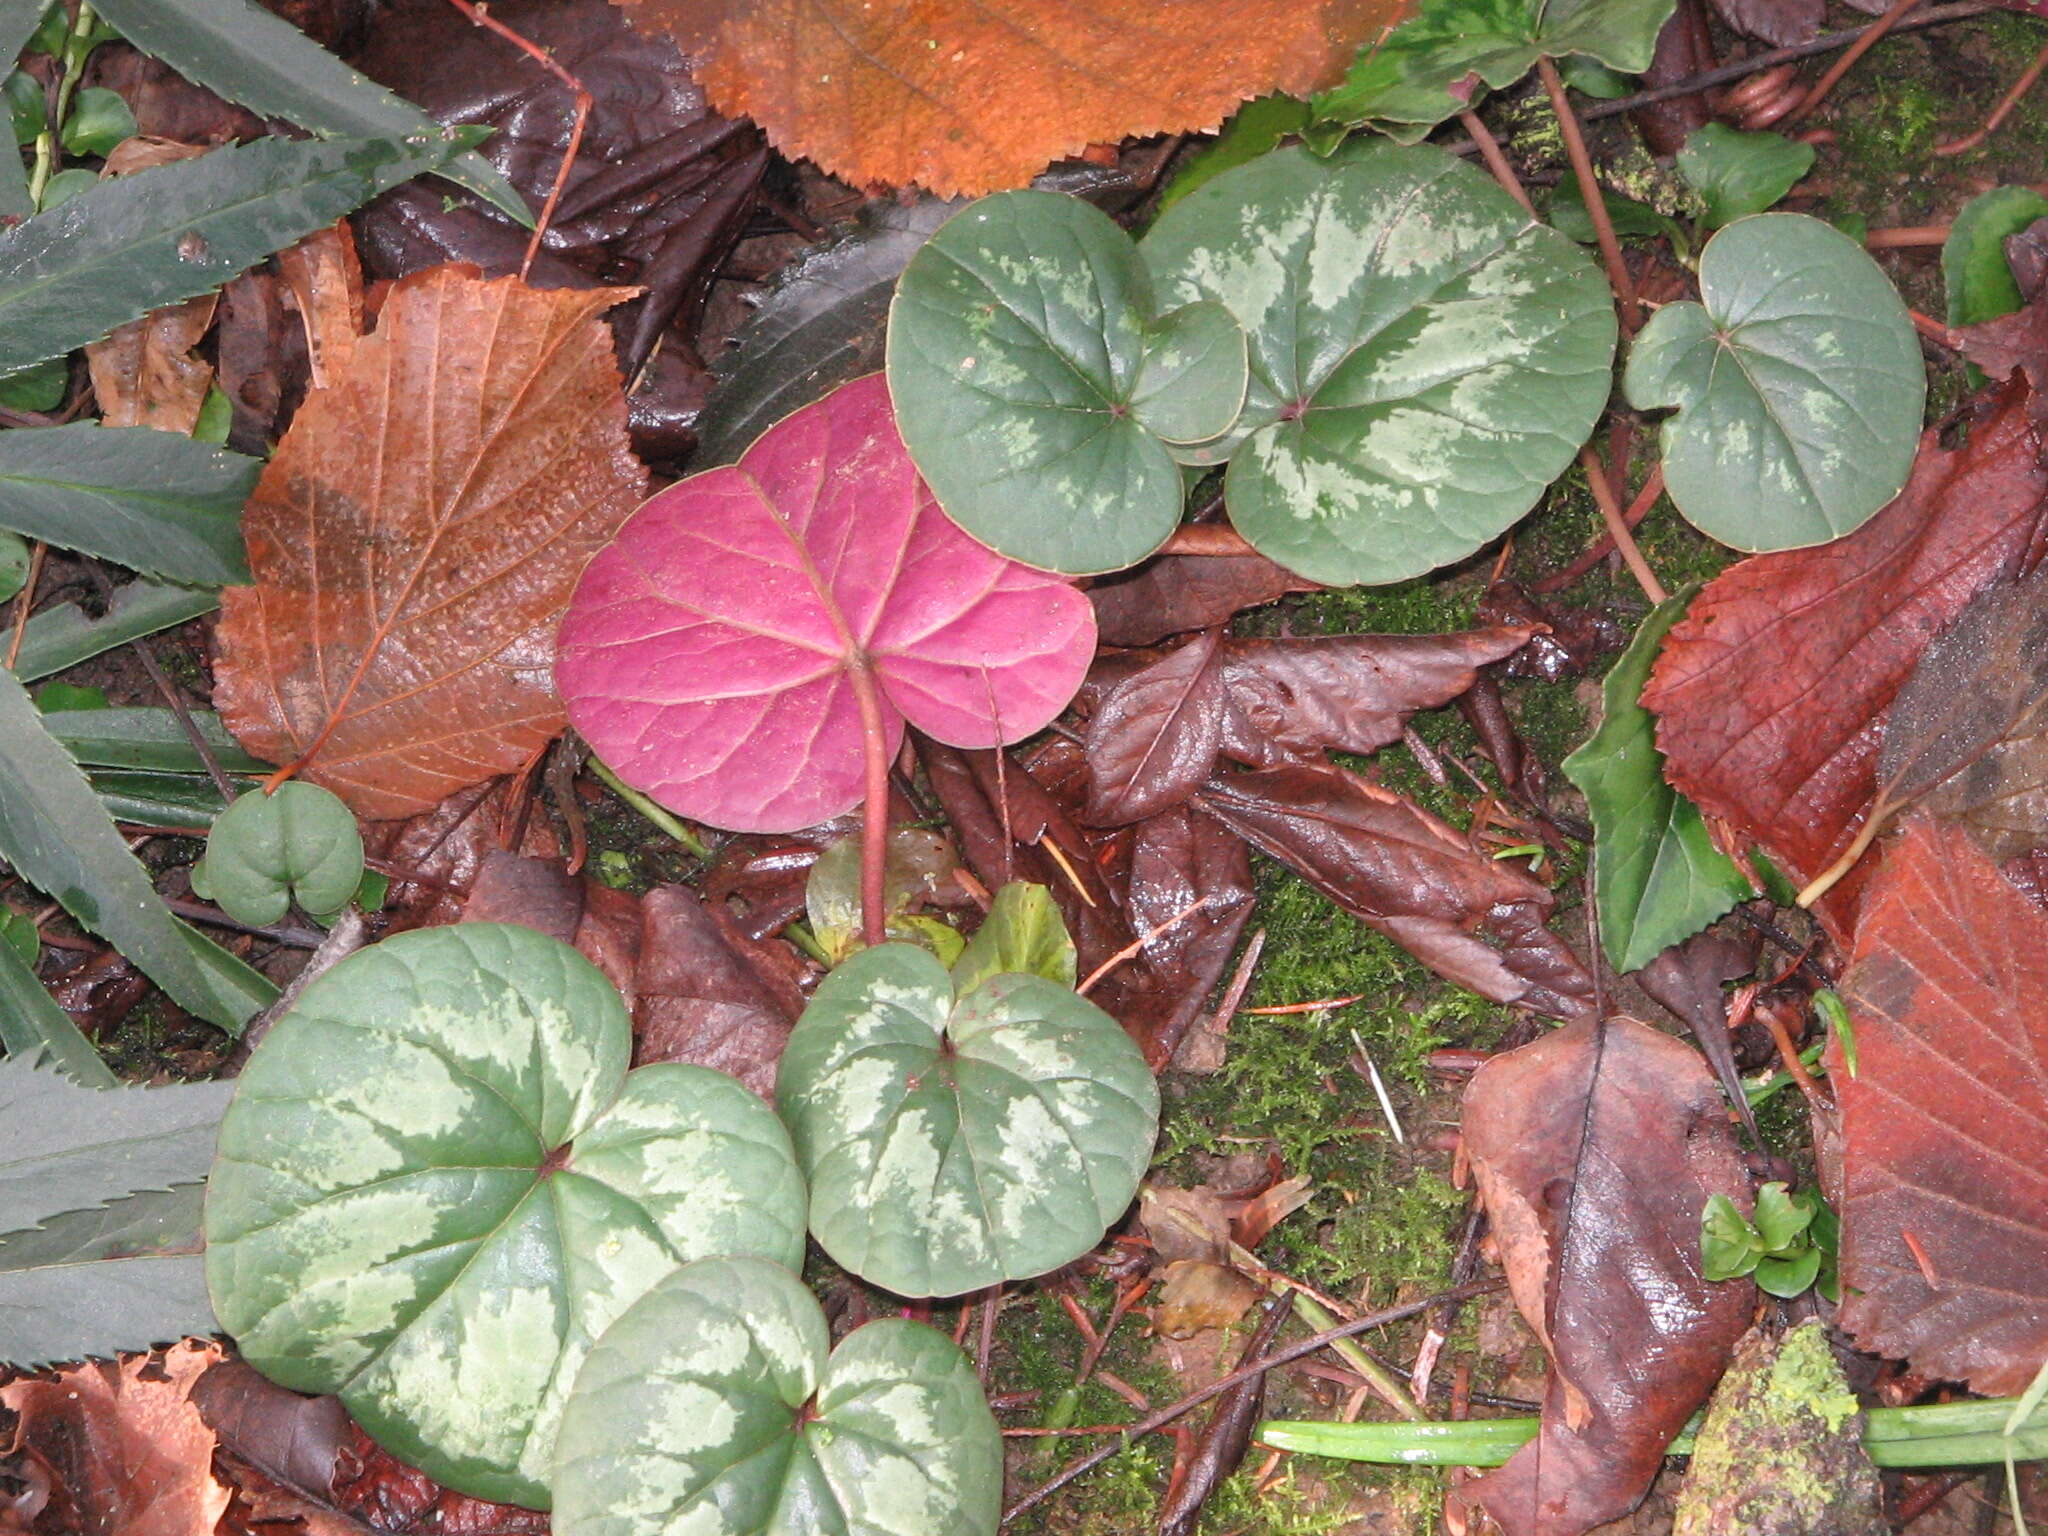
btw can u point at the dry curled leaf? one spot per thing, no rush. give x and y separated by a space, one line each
965 96
417 536
1943 1200
1596 1149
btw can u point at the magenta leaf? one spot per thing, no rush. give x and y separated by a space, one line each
711 652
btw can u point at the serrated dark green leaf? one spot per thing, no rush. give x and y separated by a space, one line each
135 243
711 1407
186 802
18 21
32 1025
147 739
73 1147
951 1145
1657 877
150 1222
63 636
823 324
14 563
57 1312
153 501
379 1224
1022 934
296 843
1797 381
1737 174
260 61
58 837
1425 359
1974 272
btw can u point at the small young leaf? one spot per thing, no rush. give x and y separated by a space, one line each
1974 271
1779 1219
1729 1245
99 120
1788 1276
711 1406
1021 936
26 106
1630 219
298 843
1256 128
952 1144
1798 384
1191 379
918 858
1738 174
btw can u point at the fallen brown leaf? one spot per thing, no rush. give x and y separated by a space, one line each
1595 1150
416 538
1174 594
698 996
1943 1200
963 96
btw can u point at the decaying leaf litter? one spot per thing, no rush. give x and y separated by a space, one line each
1314 850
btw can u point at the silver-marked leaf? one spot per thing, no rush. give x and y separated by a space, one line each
711 1408
1797 381
1016 343
951 1145
266 851
1658 879
1191 380
437 1184
1022 935
1425 358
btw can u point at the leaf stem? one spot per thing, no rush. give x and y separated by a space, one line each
77 46
1828 878
1617 526
874 825
659 815
1872 36
1496 161
1596 200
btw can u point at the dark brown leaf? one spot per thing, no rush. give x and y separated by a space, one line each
1567 641
1781 23
1688 980
1189 895
1178 593
1943 1199
1155 736
1398 869
701 1000
1771 692
446 846
1595 1149
602 924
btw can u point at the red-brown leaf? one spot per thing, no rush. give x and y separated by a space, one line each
1771 693
1942 1123
416 538
1595 1150
1177 593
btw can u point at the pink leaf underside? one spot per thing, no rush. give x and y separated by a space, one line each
707 655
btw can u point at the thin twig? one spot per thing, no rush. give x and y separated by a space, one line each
1600 548
1596 200
1617 526
24 600
1259 1367
1872 36
1905 237
1137 946
2006 103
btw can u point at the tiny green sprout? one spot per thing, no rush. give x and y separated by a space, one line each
1533 852
1788 1243
1835 1014
266 851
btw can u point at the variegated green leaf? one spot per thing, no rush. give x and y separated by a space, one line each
952 1144
1798 383
711 1408
437 1184
1425 357
1017 355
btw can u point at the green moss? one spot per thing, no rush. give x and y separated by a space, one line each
1888 116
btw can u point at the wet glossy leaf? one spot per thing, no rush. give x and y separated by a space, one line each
969 99
438 1184
1033 391
453 479
1177 593
1395 299
1737 173
1975 274
709 653
297 843
1798 385
1022 935
952 1143
1657 876
712 1407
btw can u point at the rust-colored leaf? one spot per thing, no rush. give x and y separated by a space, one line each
1171 594
1771 692
1943 1199
417 536
123 1448
1595 1150
967 96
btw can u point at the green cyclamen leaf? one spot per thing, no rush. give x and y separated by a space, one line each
1022 934
711 1407
437 1184
1657 877
1017 348
1425 358
152 501
58 837
1729 1246
950 1144
266 851
257 59
1797 381
1974 271
1737 174
127 246
1191 380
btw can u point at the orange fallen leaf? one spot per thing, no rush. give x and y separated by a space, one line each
123 1449
416 538
968 96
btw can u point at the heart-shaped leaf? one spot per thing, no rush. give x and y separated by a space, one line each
1798 384
952 1144
1425 358
1737 174
711 1407
1036 391
710 654
266 851
437 1184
